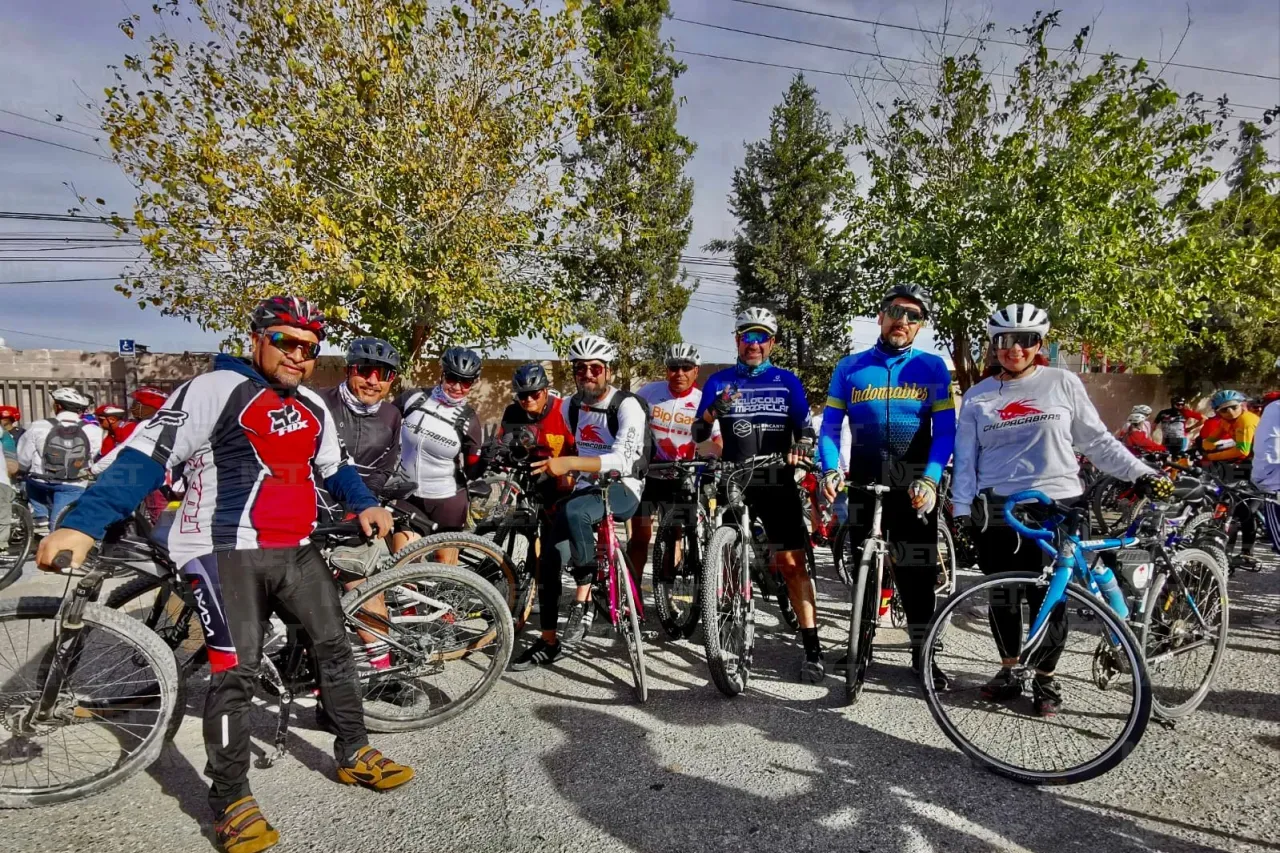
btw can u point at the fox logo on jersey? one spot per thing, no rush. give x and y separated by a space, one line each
285 420
166 417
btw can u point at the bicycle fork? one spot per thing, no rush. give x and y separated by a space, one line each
68 639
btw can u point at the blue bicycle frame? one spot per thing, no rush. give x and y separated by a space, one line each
1067 551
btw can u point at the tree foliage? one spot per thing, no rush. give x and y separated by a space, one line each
786 195
1070 190
392 160
631 220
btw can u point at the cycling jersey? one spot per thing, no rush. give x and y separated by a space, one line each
249 455
900 410
671 420
1136 439
1215 429
769 412
1266 462
370 434
550 429
1174 422
1242 432
617 452
440 443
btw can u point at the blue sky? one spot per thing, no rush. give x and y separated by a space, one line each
54 57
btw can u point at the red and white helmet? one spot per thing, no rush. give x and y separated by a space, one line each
109 410
11 412
288 311
148 395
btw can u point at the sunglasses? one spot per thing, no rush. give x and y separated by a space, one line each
682 368
288 343
904 312
1009 340
588 368
1230 407
376 372
755 337
458 381
528 395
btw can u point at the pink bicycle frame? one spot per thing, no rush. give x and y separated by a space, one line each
608 556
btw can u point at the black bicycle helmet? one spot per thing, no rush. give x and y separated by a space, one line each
373 351
529 377
461 363
287 311
914 292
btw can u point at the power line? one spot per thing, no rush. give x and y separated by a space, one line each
787 67
69 280
52 338
49 123
875 23
870 53
54 144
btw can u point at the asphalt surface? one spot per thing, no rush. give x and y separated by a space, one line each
564 760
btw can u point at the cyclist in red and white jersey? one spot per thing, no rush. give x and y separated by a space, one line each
673 405
249 438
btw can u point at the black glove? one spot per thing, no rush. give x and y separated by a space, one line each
1155 486
723 403
803 447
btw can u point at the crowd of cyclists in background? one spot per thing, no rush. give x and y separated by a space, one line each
256 458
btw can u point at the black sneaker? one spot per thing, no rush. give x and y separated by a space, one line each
812 671
1245 561
575 627
539 654
1002 687
1046 695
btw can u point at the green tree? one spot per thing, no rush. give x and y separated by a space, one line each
786 195
632 218
1071 191
393 160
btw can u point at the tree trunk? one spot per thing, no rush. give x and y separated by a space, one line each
967 371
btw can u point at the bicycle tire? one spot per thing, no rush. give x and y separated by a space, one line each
21 533
1103 502
946 560
677 626
1152 635
187 664
146 647
475 553
1078 598
718 581
862 627
505 536
629 629
501 642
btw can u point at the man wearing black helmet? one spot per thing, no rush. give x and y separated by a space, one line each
440 442
369 428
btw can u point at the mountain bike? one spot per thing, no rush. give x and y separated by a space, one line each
18 544
86 693
1089 735
684 531
614 591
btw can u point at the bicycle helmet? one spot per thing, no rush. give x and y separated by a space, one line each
683 353
461 363
592 348
1145 411
1225 398
373 351
11 412
109 410
914 292
287 311
1136 418
529 377
149 395
1023 317
70 398
756 318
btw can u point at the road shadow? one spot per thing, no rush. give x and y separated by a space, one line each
867 791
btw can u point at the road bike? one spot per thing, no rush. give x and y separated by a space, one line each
1093 652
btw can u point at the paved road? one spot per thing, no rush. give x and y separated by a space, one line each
563 760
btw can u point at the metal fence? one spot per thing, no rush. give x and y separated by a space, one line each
31 396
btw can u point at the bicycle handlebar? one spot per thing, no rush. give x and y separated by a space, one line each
1027 496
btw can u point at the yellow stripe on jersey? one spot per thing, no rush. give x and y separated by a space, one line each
835 403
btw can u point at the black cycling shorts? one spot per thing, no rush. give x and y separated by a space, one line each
449 514
775 502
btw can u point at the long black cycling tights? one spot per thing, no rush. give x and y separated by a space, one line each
235 592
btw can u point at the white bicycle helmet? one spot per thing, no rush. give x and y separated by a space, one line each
1023 317
1136 418
71 398
757 318
1145 411
592 348
683 353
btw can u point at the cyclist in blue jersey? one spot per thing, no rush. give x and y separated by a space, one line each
902 414
762 410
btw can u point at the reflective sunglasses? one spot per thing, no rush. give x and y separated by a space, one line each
755 336
904 312
682 368
376 372
1008 340
588 368
529 395
449 379
287 343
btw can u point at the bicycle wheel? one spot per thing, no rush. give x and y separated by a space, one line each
1113 506
110 718
476 553
514 540
1107 694
677 577
1184 632
156 604
450 636
629 625
18 549
863 605
728 614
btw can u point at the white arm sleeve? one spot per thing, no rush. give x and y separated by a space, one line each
1266 450
1091 436
964 479
628 444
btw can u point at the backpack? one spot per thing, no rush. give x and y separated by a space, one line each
66 451
641 468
